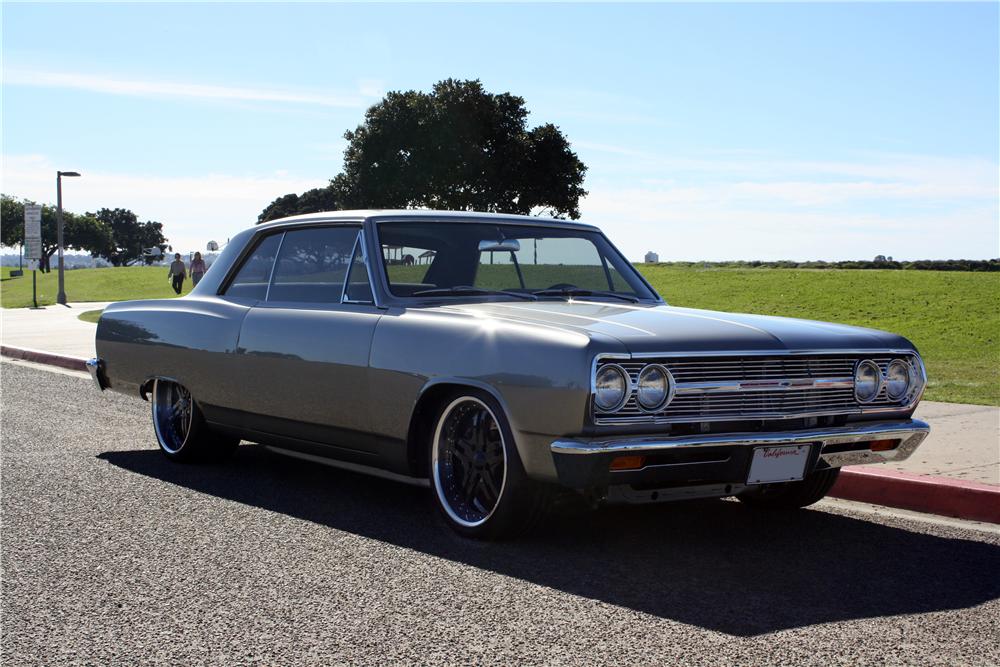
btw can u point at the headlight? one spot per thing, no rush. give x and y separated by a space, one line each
654 388
867 381
898 379
610 388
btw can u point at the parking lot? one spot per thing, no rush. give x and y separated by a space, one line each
112 554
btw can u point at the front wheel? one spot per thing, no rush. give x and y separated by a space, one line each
479 483
180 427
792 495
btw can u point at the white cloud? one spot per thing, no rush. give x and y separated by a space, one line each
747 205
193 209
691 224
114 85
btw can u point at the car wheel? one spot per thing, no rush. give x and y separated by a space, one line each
792 495
180 427
478 481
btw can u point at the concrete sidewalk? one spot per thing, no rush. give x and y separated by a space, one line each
54 329
964 443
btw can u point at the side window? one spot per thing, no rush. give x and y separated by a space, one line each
312 264
251 280
358 288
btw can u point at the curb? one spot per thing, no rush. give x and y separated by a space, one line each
42 357
921 493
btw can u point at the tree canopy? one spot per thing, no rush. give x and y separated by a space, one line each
458 147
129 238
114 234
80 232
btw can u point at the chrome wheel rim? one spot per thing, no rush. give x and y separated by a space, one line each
172 414
469 461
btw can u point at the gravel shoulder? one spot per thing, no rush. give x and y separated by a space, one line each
113 555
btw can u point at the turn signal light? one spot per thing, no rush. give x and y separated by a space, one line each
883 445
628 462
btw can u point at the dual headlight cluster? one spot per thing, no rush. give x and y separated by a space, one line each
900 380
653 389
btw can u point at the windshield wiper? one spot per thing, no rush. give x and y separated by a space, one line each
465 290
576 291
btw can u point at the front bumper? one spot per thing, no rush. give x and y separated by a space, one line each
724 458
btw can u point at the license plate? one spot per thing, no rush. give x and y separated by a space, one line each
785 463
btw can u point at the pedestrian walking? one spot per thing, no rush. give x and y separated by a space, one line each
198 269
177 273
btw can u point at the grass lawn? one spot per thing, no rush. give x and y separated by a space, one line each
90 316
952 317
131 282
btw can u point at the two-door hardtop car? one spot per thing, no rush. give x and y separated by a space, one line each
502 358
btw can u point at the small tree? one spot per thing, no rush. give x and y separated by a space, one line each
129 238
457 147
80 232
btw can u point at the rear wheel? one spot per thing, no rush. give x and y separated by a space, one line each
479 483
180 427
792 495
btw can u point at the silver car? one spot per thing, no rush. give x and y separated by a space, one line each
502 360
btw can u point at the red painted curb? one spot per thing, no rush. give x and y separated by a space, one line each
922 493
41 357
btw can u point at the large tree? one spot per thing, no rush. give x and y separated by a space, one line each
130 239
457 147
80 232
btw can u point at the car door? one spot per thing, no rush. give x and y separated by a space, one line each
304 348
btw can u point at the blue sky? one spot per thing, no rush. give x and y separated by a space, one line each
711 131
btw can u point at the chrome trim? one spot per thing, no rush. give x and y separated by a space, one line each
910 432
625 396
368 268
671 388
762 353
358 243
878 374
277 258
352 467
797 384
96 368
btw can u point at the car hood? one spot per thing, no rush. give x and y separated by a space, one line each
660 328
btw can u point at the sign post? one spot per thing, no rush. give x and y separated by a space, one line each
33 244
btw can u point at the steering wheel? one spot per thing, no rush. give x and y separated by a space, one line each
562 286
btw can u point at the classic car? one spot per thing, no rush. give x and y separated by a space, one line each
502 360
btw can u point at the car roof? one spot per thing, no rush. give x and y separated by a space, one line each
414 215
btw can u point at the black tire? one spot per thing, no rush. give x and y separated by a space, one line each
469 437
180 427
792 495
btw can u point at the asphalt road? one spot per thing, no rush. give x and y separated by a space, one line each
112 554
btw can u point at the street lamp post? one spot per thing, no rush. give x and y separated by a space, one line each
61 296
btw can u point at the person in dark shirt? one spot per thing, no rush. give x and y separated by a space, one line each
177 273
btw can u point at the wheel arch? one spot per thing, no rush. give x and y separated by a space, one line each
146 386
429 401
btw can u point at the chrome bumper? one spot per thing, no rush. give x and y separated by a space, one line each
835 442
96 368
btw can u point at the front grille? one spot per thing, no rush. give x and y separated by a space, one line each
717 388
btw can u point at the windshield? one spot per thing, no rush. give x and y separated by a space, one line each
442 259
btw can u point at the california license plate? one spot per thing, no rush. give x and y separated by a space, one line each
784 463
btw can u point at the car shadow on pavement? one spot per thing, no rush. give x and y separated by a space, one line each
713 564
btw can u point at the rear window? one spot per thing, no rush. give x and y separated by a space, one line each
252 278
